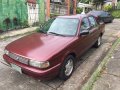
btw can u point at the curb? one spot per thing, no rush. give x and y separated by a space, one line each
17 32
94 76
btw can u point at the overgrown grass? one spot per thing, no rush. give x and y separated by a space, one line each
116 13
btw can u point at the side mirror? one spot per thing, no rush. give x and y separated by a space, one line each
84 32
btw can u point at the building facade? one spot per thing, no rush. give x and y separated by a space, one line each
111 2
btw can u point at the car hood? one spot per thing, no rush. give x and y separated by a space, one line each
39 46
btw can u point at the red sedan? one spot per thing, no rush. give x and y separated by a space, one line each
54 49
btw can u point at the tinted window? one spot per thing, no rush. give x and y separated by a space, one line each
92 21
85 24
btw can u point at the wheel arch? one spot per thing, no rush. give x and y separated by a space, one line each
70 53
101 34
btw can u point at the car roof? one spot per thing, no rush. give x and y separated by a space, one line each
78 16
96 12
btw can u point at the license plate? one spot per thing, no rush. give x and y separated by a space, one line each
17 68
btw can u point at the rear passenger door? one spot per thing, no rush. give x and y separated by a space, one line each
94 31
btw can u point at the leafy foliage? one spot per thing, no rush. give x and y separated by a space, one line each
78 10
118 5
116 13
85 1
98 1
107 8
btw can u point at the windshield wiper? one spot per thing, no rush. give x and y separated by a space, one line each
56 33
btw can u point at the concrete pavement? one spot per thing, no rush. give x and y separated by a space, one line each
110 76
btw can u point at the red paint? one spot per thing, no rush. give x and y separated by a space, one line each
42 47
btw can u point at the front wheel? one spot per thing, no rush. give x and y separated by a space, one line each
98 42
67 68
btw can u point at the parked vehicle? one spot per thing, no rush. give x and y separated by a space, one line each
55 48
104 16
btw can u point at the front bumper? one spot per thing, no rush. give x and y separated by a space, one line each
34 72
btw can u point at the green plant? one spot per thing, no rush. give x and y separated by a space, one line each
78 10
107 7
116 13
52 15
35 24
38 29
118 5
24 23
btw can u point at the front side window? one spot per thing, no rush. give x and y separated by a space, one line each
92 21
62 26
85 24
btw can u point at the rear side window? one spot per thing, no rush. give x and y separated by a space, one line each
84 24
92 21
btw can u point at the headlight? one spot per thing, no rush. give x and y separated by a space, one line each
6 52
39 64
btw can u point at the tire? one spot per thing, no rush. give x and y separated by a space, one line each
66 71
111 21
98 42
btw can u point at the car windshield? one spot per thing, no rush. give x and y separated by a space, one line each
61 26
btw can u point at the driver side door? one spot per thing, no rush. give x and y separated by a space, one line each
84 41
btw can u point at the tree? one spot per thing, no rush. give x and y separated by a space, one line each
98 2
85 1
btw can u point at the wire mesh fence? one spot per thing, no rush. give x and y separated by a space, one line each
13 14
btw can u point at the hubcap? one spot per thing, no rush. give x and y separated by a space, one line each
99 41
69 67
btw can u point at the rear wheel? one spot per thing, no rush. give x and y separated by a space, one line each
67 68
98 42
111 21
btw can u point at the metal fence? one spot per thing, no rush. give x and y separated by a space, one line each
33 14
58 9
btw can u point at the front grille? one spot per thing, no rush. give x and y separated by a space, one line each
18 58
